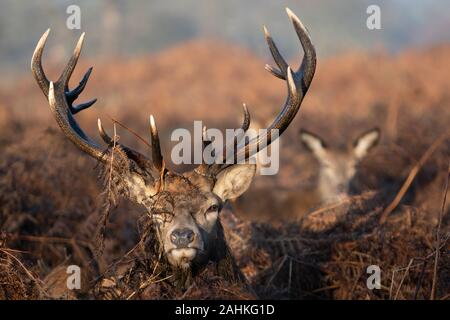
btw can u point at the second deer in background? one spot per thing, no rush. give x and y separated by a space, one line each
337 169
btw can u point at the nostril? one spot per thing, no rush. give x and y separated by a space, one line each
190 235
182 237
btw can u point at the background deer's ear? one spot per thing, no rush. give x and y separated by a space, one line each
365 142
313 143
234 181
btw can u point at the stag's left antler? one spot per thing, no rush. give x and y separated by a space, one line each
298 83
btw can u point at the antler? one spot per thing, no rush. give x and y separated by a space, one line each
61 99
298 83
61 103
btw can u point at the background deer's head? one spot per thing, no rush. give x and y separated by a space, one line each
183 208
338 166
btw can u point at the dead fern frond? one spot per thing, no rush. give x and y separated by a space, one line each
111 176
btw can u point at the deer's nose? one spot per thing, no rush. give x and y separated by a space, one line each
182 237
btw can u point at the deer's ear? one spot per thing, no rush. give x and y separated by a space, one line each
365 142
313 143
234 181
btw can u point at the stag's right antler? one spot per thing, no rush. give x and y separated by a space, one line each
61 99
61 103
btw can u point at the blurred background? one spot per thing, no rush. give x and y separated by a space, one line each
200 60
123 28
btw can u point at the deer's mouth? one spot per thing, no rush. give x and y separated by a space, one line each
182 257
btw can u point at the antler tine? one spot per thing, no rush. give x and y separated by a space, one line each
245 125
105 137
68 70
36 64
204 168
73 94
243 129
308 65
246 122
82 106
204 136
205 141
157 157
279 60
277 73
141 160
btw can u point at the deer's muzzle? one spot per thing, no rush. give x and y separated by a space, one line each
181 238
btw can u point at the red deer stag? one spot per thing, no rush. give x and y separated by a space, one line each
183 209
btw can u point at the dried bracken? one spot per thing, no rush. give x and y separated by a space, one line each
16 281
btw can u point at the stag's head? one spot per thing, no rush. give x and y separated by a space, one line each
184 208
338 166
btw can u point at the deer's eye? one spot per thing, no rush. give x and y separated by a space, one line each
212 212
213 208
